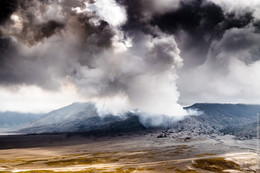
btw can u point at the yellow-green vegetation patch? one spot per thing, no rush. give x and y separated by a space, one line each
130 169
37 171
31 171
11 161
183 146
90 170
147 169
218 164
124 170
76 161
31 162
177 150
171 167
97 158
104 153
205 154
185 171
167 153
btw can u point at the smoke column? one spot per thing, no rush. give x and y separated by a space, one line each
95 46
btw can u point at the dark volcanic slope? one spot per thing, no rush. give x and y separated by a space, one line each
236 119
223 115
225 118
82 117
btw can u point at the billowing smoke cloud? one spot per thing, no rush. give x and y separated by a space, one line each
231 71
133 54
197 24
219 51
218 40
89 44
144 10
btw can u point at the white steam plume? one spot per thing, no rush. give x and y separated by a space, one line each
85 46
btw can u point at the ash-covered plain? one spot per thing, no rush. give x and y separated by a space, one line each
76 139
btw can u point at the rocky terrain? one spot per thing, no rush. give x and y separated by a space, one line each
236 119
135 153
76 139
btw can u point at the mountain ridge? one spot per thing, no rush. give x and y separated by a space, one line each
83 117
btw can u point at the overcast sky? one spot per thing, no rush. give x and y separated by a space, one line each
155 56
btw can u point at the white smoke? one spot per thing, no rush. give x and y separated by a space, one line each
143 76
231 71
109 11
240 6
86 48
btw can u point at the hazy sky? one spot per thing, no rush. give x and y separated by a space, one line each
152 55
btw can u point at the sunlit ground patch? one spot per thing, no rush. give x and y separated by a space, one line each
185 171
218 164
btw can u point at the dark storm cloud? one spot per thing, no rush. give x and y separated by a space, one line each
220 49
141 12
194 23
27 57
135 14
51 43
127 55
200 18
202 22
240 44
7 7
32 34
219 44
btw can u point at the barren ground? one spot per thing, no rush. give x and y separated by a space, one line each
127 153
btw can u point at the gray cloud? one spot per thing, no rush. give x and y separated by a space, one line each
230 73
226 71
198 23
54 43
35 47
6 9
132 58
217 39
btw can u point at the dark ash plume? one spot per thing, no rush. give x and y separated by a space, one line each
200 23
37 33
54 43
33 31
131 57
7 7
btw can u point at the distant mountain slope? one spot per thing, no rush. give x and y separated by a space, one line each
75 111
12 120
224 118
83 117
227 114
